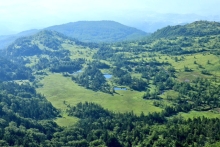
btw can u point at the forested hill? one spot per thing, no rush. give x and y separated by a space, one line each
48 50
195 29
14 71
86 31
99 31
34 45
5 41
44 42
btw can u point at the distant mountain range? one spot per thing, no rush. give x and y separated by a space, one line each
151 22
86 31
98 31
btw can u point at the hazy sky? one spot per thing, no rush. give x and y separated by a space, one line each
18 15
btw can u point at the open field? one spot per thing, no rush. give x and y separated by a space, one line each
193 114
58 89
62 91
79 52
195 62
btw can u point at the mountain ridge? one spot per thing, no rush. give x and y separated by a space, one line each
98 31
86 32
195 29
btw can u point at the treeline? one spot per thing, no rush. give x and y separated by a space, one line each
201 94
105 52
124 78
100 127
18 131
25 116
10 70
67 66
93 78
25 102
184 45
55 64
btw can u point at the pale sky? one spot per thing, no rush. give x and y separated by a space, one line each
19 15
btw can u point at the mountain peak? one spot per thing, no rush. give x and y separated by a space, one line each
98 31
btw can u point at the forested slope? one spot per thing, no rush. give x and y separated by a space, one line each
195 29
25 116
86 31
14 71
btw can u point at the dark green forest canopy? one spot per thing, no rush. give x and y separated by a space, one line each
10 70
24 116
102 127
21 99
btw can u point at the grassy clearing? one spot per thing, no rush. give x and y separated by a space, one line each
170 93
66 120
58 89
33 60
195 62
193 114
79 52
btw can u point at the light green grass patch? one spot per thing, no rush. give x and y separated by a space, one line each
171 93
58 89
66 120
193 114
188 61
79 52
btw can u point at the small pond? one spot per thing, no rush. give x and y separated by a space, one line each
107 76
79 71
120 88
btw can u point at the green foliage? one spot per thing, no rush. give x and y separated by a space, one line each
92 78
24 116
123 77
21 99
205 72
10 70
198 28
114 129
66 66
99 31
150 68
88 110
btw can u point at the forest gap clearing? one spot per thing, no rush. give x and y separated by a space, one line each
58 89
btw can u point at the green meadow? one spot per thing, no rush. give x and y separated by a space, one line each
62 91
79 51
194 114
195 62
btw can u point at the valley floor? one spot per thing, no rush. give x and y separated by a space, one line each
62 91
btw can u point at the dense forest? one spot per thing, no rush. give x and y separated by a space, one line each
172 72
99 31
10 70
